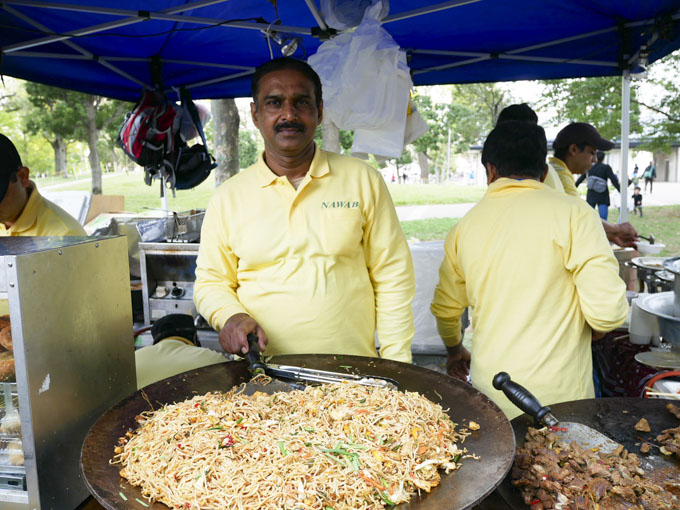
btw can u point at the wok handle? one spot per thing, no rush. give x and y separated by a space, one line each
521 397
254 355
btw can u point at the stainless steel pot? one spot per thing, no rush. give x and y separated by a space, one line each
672 265
646 270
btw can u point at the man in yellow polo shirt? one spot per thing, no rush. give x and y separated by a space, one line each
304 248
538 272
575 148
23 211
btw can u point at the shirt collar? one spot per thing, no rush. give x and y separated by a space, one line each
558 163
505 184
29 215
318 168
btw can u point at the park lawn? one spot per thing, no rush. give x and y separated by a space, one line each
139 196
426 194
663 222
432 229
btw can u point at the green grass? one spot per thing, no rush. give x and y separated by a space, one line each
433 229
424 194
139 196
663 222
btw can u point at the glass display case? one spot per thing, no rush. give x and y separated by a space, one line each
66 356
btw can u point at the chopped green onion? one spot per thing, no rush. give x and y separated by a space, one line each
386 499
141 502
122 496
457 457
362 400
339 461
240 420
346 367
220 427
308 429
282 447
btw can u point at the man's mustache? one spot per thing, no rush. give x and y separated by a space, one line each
289 125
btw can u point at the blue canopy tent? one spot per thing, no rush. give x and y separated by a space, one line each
116 49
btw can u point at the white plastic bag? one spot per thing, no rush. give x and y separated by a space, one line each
366 86
346 14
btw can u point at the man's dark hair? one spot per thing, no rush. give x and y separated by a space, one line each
600 156
279 64
562 152
516 148
520 111
175 324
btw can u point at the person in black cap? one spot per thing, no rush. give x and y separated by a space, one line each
575 148
175 349
23 211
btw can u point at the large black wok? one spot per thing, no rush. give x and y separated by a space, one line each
494 442
615 418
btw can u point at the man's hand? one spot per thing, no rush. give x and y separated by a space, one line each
458 362
234 335
622 234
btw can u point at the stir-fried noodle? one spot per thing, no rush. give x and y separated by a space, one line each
336 446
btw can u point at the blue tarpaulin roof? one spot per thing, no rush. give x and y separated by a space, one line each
212 46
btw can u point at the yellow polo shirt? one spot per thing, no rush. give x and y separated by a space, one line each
41 217
552 180
538 271
566 177
171 356
320 268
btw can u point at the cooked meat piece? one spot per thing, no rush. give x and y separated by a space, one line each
598 469
598 488
673 410
619 450
545 497
642 426
7 366
559 474
626 493
571 477
645 448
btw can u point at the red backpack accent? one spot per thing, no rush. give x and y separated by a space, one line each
148 132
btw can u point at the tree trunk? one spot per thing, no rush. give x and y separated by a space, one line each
331 136
92 137
226 122
424 168
59 147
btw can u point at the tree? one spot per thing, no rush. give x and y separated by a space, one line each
53 118
226 121
486 100
593 100
664 128
247 148
63 116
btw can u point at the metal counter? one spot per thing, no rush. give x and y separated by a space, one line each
69 304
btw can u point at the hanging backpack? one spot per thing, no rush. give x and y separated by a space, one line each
148 132
192 164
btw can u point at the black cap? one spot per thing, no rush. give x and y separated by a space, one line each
174 324
10 162
579 133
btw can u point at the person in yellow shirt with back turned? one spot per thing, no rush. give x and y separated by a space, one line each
23 210
538 272
304 248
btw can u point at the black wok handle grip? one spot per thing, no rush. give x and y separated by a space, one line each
254 355
520 396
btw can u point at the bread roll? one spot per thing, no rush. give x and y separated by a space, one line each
7 367
5 332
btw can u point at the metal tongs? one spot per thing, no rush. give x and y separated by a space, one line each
650 238
257 366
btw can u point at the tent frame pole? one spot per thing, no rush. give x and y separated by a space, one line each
625 129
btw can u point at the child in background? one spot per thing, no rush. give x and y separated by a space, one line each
637 201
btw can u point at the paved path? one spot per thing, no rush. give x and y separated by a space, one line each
665 193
